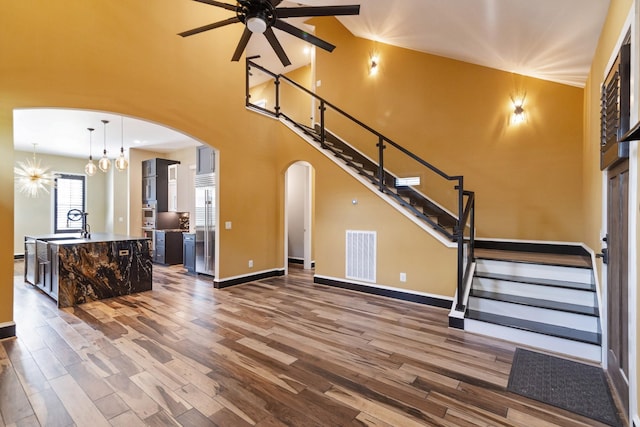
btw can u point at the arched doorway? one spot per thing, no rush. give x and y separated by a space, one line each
298 215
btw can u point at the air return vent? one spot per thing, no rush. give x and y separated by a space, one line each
361 255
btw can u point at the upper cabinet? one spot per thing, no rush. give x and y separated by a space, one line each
149 168
172 188
155 182
205 160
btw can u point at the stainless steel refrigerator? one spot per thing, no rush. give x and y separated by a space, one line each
205 223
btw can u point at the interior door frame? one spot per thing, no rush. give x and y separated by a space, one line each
308 216
631 24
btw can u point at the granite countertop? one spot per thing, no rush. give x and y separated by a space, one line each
74 239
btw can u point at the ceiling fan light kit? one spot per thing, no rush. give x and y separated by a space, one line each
257 25
261 16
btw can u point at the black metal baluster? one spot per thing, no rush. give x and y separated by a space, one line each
277 83
381 148
322 129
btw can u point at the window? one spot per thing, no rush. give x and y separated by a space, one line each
68 195
615 108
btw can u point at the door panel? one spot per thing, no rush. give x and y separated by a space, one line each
617 280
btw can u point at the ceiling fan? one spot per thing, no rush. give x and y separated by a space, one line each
259 16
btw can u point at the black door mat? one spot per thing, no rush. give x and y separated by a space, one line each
563 383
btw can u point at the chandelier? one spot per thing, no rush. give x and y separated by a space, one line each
31 177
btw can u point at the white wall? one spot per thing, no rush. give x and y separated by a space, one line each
186 186
296 181
114 199
186 181
35 215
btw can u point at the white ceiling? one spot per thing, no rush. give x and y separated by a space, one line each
64 132
548 39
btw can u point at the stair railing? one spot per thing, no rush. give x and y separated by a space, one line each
463 231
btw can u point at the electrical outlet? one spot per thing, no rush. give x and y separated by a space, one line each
250 263
403 277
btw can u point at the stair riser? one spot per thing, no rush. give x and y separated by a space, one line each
535 314
550 293
554 344
569 274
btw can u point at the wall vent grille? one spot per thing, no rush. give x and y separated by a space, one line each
361 255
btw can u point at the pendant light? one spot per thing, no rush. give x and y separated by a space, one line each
104 164
121 162
91 168
31 177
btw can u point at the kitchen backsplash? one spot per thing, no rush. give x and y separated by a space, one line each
173 221
184 220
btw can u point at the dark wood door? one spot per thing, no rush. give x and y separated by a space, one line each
617 280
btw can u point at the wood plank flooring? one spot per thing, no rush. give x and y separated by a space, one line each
280 351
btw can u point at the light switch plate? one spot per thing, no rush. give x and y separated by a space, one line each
227 225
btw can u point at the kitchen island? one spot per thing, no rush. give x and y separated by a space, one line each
75 270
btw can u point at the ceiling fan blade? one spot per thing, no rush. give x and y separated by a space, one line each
301 34
277 47
219 4
209 27
242 44
298 12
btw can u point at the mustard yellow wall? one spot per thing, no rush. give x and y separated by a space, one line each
130 61
592 177
102 58
294 102
401 245
455 115
6 211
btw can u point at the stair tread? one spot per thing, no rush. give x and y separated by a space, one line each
534 257
539 281
536 302
537 327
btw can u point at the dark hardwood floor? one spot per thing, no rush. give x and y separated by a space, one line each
280 351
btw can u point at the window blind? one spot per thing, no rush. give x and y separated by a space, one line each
69 194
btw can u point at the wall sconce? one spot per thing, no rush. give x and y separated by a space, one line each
519 115
374 64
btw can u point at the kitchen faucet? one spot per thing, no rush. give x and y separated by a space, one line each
76 215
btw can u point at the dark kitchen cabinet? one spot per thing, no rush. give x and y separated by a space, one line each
205 160
189 251
155 182
149 168
168 250
149 193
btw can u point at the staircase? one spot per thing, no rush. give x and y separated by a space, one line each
412 200
541 295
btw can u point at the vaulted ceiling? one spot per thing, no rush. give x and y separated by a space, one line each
548 39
